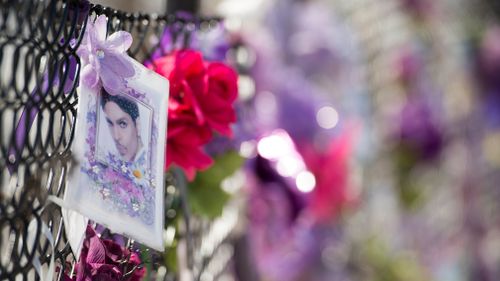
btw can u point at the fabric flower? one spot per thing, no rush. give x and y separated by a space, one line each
184 146
201 100
104 59
114 252
105 260
106 272
217 103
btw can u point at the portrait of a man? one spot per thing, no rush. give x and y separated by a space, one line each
119 151
124 128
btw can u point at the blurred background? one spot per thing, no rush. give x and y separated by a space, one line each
371 137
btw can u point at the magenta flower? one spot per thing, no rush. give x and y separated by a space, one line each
104 59
104 259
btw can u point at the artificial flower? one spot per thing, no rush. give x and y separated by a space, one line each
184 146
104 59
104 259
217 102
201 100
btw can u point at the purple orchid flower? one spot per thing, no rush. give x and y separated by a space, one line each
105 60
104 259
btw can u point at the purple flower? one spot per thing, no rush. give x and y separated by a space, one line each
104 59
419 129
105 260
106 272
121 194
212 43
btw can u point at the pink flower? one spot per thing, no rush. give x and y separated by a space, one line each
201 100
106 272
184 146
217 103
105 260
331 170
138 272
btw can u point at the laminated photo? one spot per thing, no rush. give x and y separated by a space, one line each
120 148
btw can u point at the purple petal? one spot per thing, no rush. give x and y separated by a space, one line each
114 69
119 41
113 250
107 272
84 43
89 76
112 83
97 253
118 64
85 38
100 28
84 50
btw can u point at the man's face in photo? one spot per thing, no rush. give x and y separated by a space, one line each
123 130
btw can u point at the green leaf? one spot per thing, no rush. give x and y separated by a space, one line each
206 197
170 258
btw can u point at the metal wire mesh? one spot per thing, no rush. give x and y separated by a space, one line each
38 107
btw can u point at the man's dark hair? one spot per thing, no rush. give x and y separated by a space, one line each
127 105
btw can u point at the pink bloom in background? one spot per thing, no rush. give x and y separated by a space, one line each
201 101
331 170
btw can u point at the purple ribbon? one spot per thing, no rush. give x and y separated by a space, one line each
105 64
80 11
31 110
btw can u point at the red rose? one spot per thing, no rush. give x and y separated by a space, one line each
217 102
184 145
186 73
201 100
